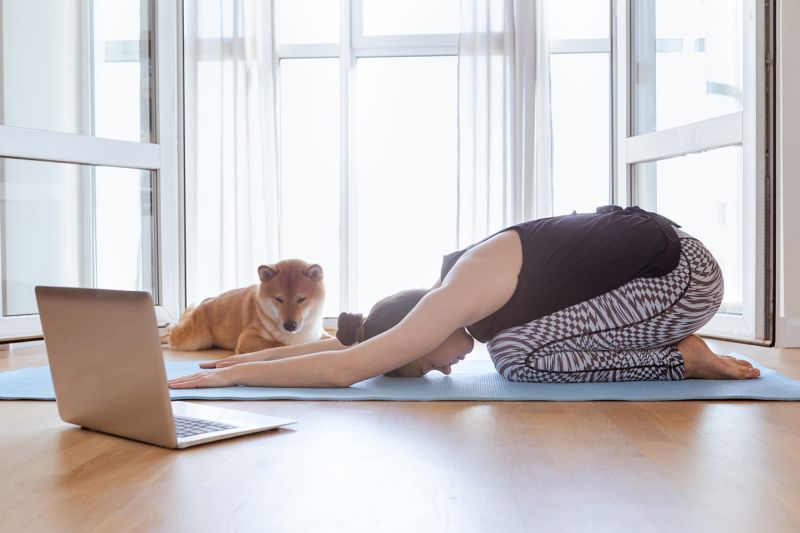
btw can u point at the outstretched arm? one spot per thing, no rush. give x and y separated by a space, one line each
428 325
281 352
480 283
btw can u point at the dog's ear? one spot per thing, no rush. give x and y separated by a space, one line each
267 272
314 272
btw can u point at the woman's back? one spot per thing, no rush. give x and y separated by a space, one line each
572 258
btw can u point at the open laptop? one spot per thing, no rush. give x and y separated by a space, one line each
108 372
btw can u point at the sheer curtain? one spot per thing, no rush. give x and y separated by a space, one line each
233 192
504 124
232 196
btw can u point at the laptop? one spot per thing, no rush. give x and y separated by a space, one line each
108 372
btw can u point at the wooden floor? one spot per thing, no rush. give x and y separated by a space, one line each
407 467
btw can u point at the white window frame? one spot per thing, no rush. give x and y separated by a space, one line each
353 45
160 157
598 46
362 46
750 128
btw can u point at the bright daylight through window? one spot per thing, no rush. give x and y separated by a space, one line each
401 135
77 68
688 84
366 176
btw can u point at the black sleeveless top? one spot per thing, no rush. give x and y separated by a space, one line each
572 258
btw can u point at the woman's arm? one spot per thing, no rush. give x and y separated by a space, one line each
281 352
437 315
479 284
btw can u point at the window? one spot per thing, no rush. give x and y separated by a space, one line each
88 195
371 92
697 144
74 225
580 69
386 95
367 95
644 104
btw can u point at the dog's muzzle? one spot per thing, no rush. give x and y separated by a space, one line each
290 325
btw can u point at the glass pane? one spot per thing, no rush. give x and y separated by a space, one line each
210 219
309 225
405 172
702 192
211 18
411 17
578 19
580 107
688 61
77 66
73 225
307 21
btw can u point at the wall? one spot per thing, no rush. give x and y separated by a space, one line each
788 175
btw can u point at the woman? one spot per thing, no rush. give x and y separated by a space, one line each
609 296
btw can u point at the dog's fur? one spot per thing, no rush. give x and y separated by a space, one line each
291 293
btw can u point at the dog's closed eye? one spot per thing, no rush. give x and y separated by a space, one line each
279 299
301 299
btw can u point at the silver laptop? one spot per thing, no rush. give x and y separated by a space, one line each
108 372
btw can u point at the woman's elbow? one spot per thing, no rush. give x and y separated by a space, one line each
344 378
348 367
347 375
343 383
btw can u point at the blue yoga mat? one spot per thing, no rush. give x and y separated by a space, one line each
470 380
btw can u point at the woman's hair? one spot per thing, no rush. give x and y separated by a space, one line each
384 315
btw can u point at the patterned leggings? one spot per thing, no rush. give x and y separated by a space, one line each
626 334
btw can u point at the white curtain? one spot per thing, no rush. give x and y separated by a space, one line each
504 125
232 196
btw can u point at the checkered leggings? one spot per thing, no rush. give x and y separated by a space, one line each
626 334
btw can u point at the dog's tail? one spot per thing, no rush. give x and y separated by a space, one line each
187 313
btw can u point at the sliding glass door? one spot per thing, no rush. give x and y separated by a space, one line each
85 109
697 141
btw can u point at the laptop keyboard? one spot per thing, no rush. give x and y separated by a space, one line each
187 427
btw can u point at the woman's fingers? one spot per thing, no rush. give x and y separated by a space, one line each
236 359
225 361
232 360
184 379
241 358
209 378
184 384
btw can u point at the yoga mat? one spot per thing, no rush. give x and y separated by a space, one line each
470 380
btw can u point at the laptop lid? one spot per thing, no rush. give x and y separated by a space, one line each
106 362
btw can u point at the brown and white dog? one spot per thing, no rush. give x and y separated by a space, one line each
284 309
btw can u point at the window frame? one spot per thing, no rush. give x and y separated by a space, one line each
751 128
353 45
598 46
160 157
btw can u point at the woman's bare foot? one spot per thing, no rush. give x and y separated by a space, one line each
701 363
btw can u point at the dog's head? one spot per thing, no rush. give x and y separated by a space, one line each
291 292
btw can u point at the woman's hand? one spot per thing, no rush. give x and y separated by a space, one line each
208 378
236 359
